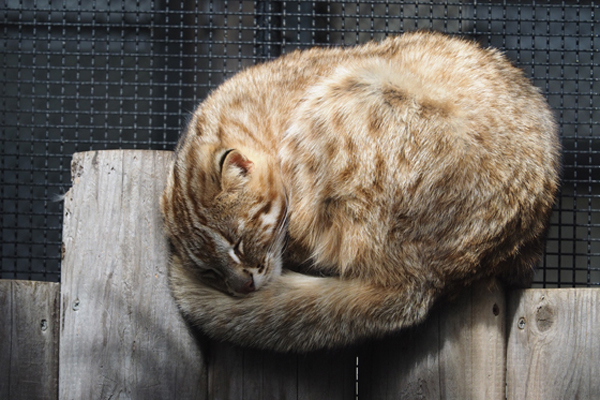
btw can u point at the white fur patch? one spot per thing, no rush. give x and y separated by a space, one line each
270 219
259 280
234 257
304 281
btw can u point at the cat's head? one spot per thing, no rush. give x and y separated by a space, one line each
225 212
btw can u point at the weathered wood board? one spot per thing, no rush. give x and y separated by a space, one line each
121 334
554 344
457 353
245 374
29 313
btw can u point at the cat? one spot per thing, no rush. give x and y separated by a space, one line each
335 194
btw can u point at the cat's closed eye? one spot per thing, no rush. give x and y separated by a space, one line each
238 248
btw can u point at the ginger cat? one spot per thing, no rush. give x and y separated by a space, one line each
390 174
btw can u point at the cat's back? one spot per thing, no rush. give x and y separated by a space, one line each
420 138
442 74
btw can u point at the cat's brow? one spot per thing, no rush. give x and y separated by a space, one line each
213 233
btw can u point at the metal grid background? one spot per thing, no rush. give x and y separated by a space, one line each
80 75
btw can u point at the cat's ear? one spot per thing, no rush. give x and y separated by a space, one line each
235 168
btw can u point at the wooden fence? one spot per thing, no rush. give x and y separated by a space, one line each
110 329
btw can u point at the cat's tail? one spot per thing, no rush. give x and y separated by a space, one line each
301 313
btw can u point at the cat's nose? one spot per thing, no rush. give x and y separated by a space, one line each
248 286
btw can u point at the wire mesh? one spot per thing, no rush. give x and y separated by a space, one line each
108 74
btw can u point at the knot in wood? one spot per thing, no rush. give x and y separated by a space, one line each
544 317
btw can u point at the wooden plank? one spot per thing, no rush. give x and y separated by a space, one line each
328 375
457 353
225 372
121 333
246 374
554 344
29 313
268 375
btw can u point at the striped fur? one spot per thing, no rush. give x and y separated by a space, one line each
392 174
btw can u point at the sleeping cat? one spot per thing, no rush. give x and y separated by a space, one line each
389 174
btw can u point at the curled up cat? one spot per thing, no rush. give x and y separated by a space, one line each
335 194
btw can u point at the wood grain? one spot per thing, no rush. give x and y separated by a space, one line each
246 374
457 353
554 344
122 335
29 321
328 375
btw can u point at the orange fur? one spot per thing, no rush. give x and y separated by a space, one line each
396 172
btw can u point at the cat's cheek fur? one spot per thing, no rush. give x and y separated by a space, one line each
274 264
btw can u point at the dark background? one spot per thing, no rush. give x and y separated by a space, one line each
89 75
